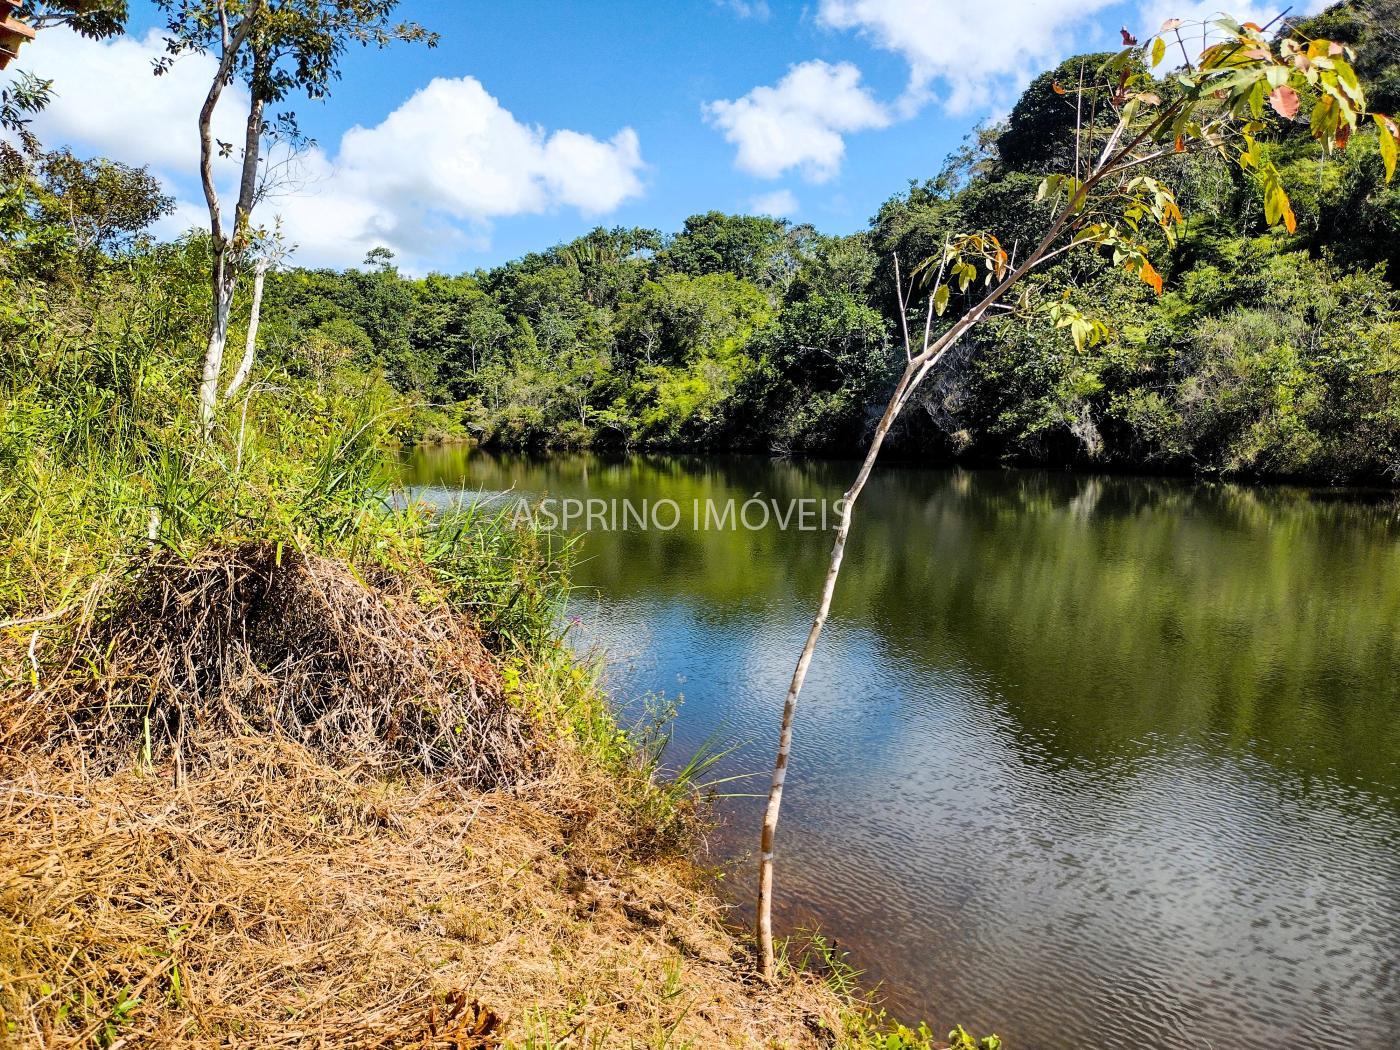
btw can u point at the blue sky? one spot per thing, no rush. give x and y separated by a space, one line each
620 113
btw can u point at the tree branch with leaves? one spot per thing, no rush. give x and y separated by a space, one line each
1114 201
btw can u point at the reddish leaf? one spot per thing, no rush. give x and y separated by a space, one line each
1128 39
1180 144
1343 135
1170 24
1150 276
1056 87
1251 25
1285 101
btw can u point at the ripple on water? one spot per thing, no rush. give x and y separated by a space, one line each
1121 769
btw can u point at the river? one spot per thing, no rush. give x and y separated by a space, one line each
1084 760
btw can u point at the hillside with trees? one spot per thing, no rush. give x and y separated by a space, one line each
1267 354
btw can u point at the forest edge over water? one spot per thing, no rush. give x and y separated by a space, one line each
130 519
1270 354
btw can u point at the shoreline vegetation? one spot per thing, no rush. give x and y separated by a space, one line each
1268 352
365 797
287 762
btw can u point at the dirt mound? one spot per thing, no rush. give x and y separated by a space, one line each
263 640
255 798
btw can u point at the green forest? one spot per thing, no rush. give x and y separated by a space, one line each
1269 353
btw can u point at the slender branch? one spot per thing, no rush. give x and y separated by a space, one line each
232 44
250 345
1078 118
903 309
916 369
252 149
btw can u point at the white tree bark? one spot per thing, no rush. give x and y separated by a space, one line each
223 272
223 286
250 346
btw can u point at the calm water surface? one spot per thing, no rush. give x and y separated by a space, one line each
1077 754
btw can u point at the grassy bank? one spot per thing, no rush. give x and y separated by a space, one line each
287 759
277 797
290 760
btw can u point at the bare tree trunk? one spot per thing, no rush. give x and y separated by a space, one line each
799 675
223 287
223 275
250 346
917 367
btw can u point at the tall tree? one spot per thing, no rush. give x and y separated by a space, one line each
1108 200
103 203
275 48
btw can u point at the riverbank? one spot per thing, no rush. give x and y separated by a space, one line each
240 808
287 760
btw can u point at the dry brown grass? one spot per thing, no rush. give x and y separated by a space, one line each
270 900
236 811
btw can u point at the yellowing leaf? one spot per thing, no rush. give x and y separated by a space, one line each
940 299
1324 119
1277 206
1389 136
1159 51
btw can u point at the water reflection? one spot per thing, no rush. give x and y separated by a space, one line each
1076 753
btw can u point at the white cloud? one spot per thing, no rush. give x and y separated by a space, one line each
107 98
779 204
452 152
428 181
748 8
799 122
977 50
